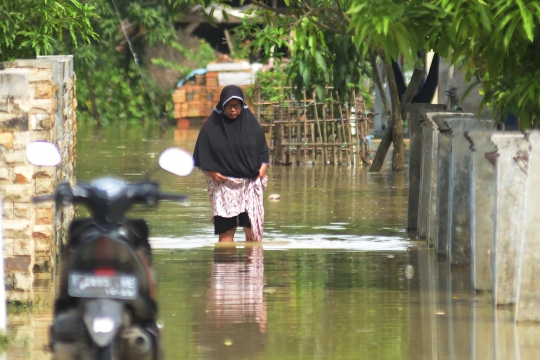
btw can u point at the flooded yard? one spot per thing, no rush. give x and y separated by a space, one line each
337 276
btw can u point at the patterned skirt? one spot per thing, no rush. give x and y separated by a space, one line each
235 196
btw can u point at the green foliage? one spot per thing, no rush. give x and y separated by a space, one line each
492 41
495 42
319 58
4 342
123 99
395 27
33 27
202 57
91 31
107 67
271 85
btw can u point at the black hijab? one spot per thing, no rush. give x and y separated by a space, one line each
235 148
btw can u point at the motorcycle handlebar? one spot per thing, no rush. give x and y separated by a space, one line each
172 197
42 198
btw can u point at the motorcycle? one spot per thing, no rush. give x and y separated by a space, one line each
106 307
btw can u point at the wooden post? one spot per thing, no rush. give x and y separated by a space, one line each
329 147
359 129
337 158
258 99
344 121
229 41
280 134
305 137
361 134
289 141
299 136
322 139
339 127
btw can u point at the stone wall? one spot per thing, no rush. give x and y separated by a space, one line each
37 102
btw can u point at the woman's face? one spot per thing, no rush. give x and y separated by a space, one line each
233 108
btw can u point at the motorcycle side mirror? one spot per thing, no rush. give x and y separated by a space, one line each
176 161
42 153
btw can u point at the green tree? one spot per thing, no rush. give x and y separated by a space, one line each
493 42
33 27
337 42
496 43
112 82
330 45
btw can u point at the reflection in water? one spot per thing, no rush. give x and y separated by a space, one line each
329 304
28 329
234 324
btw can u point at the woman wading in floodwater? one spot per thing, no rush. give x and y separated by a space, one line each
232 152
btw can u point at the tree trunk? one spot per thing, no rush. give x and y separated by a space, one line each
398 158
386 141
92 99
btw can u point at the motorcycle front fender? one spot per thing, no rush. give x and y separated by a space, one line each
103 318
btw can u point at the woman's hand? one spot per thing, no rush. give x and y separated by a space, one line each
217 177
262 171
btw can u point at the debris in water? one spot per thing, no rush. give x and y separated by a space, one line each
409 272
274 197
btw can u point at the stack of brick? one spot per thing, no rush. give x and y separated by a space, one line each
37 102
198 98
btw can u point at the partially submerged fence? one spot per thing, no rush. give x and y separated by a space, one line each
307 131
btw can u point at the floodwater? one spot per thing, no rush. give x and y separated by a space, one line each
336 277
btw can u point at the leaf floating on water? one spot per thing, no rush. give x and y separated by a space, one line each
409 272
269 291
228 342
274 197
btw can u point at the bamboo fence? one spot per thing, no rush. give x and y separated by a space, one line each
308 131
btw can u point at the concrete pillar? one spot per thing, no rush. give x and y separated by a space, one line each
506 337
428 180
511 179
463 332
426 312
528 297
459 221
483 344
441 194
428 149
436 167
416 122
443 294
482 207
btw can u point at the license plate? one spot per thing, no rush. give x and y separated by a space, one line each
108 287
